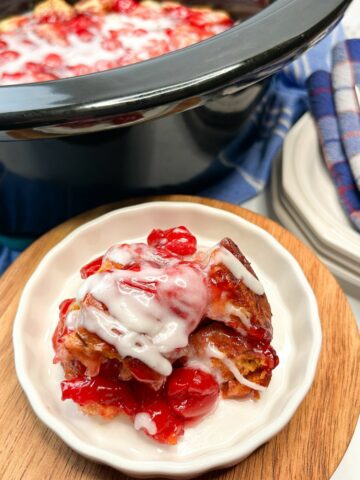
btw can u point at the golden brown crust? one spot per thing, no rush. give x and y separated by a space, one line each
254 365
11 23
233 291
105 411
51 7
89 349
93 6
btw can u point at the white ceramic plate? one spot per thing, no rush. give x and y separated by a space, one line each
236 428
289 217
307 185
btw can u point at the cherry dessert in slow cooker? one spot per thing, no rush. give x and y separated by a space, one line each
57 40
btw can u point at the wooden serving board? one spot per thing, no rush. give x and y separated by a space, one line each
309 448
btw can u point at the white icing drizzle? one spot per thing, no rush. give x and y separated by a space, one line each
137 38
222 255
204 364
200 364
117 255
240 312
143 421
215 353
33 48
152 323
145 324
72 319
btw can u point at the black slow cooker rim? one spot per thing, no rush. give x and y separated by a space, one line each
195 70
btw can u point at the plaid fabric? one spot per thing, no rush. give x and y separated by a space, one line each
345 75
337 130
244 166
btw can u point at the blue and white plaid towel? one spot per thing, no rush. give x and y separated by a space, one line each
245 164
333 103
345 76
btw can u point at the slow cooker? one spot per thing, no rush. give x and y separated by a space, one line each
78 142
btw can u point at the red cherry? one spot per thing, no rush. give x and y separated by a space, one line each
44 77
8 56
259 334
176 240
197 19
110 370
34 67
155 48
13 76
48 18
53 60
139 32
61 329
192 392
145 374
82 22
168 425
80 69
111 44
64 307
85 35
91 267
84 390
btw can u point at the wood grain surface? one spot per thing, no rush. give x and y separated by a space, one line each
309 448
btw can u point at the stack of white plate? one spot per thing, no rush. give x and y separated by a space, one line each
305 200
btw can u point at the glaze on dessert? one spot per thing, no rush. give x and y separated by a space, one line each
150 312
159 329
57 40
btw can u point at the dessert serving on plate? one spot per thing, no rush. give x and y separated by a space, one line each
216 433
159 330
58 40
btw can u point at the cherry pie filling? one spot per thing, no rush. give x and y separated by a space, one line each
58 40
159 330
